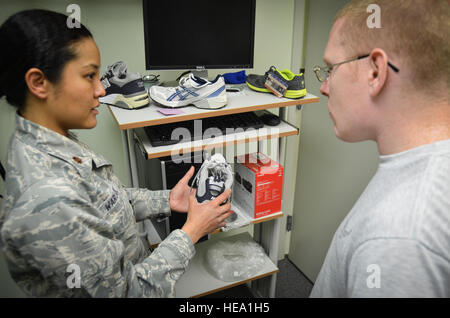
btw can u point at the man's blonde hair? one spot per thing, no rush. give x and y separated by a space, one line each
415 31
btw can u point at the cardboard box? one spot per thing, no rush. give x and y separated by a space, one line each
258 184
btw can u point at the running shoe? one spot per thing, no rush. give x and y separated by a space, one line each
192 90
213 178
123 89
295 82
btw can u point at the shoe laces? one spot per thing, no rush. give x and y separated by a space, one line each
118 69
271 69
216 171
190 81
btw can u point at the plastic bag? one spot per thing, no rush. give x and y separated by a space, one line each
233 261
236 220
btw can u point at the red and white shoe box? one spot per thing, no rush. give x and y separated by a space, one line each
258 184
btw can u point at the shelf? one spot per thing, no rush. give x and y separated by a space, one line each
284 129
244 101
266 218
154 238
197 281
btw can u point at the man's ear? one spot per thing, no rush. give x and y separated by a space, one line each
37 83
378 71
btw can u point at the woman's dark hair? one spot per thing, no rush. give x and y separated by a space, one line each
35 38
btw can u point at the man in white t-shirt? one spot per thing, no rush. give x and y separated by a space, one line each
387 80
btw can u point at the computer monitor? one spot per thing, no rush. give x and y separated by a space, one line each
199 34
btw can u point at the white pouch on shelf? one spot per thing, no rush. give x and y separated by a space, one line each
234 261
239 219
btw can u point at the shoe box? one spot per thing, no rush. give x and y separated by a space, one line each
258 184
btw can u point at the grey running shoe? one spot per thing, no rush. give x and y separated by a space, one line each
123 89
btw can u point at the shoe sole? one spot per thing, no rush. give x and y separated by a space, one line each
292 94
204 103
130 102
258 89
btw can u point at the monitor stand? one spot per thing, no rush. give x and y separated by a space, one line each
201 73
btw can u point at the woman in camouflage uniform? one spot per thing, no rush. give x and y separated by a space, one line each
63 207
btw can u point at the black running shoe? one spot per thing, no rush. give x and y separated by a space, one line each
295 82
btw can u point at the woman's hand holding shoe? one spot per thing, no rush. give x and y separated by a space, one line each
204 218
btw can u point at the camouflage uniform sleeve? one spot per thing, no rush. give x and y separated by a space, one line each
149 204
158 273
53 226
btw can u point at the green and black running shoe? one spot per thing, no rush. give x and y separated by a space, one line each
295 82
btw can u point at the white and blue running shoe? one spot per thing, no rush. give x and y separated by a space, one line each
192 90
213 178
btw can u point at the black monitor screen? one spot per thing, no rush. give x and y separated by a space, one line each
197 34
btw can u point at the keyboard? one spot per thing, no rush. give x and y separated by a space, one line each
169 134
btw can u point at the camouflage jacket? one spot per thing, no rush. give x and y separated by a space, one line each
64 209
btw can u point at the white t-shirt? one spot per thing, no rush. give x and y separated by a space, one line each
395 242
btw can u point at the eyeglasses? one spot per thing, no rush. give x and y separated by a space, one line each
323 72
